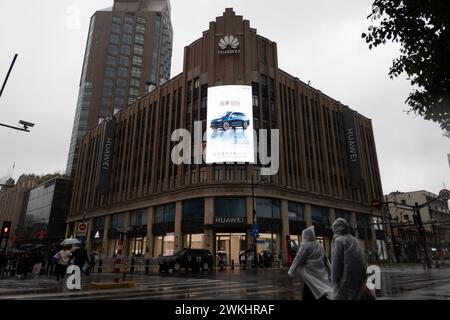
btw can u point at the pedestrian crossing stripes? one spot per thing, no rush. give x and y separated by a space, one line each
155 287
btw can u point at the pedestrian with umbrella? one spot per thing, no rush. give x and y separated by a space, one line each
62 258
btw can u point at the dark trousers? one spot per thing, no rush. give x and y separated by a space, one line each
60 271
49 268
309 296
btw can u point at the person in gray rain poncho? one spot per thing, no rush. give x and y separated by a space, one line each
314 267
349 268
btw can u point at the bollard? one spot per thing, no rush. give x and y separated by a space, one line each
125 270
132 266
100 266
42 271
13 268
232 264
147 266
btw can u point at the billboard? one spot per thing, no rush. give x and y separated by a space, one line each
229 124
353 154
107 153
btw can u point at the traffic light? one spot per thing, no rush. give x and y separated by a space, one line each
6 228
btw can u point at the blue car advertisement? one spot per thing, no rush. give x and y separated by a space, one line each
230 124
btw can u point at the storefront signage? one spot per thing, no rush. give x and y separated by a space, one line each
107 156
229 220
229 45
351 140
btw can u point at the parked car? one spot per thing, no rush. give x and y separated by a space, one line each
194 259
231 119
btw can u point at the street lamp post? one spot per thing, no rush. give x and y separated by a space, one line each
435 241
393 240
255 251
26 125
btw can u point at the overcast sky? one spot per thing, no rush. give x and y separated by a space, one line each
319 41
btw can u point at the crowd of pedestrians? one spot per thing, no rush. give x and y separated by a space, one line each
48 261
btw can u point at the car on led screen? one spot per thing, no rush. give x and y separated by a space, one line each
231 119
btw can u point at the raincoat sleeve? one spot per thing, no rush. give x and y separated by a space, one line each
300 259
337 262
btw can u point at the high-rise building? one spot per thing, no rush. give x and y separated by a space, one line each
128 45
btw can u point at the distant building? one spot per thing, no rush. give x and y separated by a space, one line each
46 211
128 44
13 201
435 218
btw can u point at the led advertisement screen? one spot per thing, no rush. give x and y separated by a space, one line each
229 124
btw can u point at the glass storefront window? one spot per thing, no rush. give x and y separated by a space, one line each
165 213
342 214
267 241
137 246
164 245
193 209
378 223
296 211
139 217
362 220
193 241
231 244
268 208
319 215
229 207
117 220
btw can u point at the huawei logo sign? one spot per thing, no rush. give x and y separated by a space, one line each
230 41
229 45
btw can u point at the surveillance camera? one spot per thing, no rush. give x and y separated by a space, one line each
26 124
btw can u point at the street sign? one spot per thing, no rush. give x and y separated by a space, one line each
255 231
375 204
444 194
82 229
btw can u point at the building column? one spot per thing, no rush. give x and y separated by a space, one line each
88 234
67 230
126 227
178 234
209 241
374 237
331 216
75 230
249 215
105 241
284 231
353 220
149 253
308 215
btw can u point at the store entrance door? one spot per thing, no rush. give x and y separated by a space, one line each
325 243
230 244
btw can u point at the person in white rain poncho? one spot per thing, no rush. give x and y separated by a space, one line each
349 268
314 267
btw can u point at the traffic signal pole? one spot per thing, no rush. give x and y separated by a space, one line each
6 230
422 234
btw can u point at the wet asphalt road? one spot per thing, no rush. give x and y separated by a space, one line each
397 282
